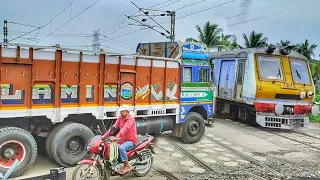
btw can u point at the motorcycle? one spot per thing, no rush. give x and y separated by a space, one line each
100 166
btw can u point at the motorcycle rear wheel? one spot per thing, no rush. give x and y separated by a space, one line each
87 173
143 172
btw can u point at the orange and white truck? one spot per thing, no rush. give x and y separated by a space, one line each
67 95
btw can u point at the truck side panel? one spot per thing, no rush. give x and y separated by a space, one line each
57 84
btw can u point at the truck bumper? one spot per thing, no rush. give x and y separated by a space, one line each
292 122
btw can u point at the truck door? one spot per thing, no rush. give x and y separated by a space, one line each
227 79
127 88
15 88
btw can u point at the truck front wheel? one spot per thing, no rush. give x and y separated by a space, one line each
193 128
68 145
16 143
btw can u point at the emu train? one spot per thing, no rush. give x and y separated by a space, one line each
270 86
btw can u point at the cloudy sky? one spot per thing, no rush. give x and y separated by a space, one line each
299 20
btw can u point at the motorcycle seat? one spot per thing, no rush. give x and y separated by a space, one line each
141 140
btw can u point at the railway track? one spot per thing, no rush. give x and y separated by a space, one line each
292 139
203 164
271 131
304 134
167 174
187 153
248 158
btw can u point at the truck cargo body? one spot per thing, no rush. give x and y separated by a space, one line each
67 96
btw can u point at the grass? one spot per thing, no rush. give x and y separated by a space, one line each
315 119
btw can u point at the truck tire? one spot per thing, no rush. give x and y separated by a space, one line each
18 144
68 145
50 137
193 128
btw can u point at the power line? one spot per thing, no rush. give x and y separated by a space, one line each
243 4
59 13
189 5
197 12
170 4
24 34
23 24
256 19
147 14
179 17
70 20
39 28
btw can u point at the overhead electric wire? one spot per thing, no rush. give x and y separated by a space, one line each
21 24
212 7
39 28
169 4
197 12
256 19
243 5
23 34
70 20
151 18
189 5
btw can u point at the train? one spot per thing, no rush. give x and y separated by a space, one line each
269 86
64 96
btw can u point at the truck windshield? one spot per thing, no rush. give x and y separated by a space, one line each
270 68
300 71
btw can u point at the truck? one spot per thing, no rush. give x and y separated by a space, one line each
269 86
67 95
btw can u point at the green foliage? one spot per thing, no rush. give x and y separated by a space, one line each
255 40
315 119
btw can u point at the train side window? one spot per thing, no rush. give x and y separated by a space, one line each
187 74
241 70
203 75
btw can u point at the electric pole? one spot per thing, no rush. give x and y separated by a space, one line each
5 31
96 41
173 25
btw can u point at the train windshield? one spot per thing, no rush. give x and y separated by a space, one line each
270 68
300 71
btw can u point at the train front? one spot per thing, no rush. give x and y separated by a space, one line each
285 91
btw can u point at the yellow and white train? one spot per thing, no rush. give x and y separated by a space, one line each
270 86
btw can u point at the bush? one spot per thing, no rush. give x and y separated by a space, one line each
312 118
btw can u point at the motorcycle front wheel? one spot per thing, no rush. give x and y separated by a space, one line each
86 172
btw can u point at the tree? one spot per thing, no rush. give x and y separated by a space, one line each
283 43
305 49
255 40
209 35
227 42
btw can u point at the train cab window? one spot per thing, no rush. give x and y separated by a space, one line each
270 68
203 75
187 74
300 71
241 70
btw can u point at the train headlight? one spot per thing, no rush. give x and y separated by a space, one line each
310 94
279 109
315 110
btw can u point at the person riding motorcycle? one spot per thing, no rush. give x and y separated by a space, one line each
126 130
